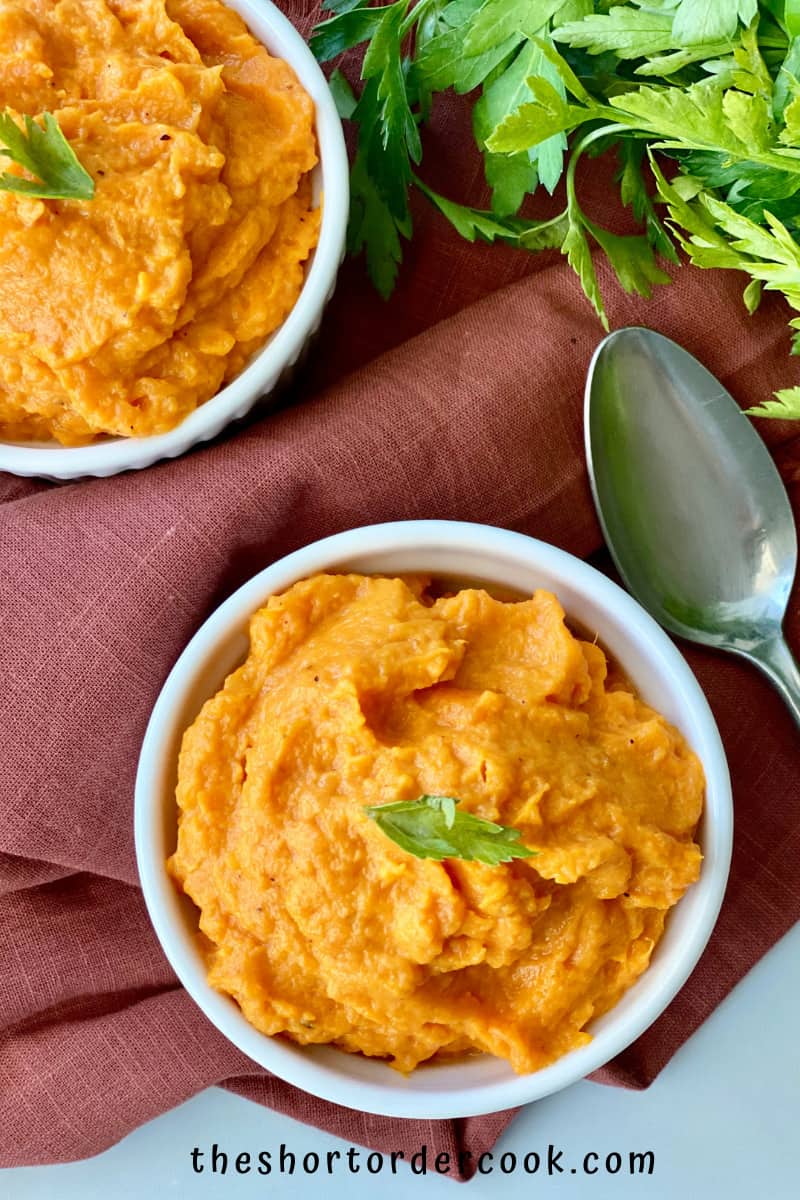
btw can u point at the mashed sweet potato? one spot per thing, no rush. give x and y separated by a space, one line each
361 691
120 314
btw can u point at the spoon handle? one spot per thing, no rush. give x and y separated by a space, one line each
778 663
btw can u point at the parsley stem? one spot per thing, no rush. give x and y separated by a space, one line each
593 136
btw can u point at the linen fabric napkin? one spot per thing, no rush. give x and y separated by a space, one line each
460 398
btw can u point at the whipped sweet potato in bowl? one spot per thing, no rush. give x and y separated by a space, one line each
128 304
429 820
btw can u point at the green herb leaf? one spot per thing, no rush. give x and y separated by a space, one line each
750 188
745 68
791 17
579 256
709 20
349 28
472 223
441 60
343 6
632 258
563 70
513 176
752 295
755 179
635 195
510 176
574 10
46 154
432 827
669 64
497 20
785 408
678 195
548 114
714 235
388 140
706 116
628 32
383 62
549 154
791 116
374 229
786 86
545 235
343 95
475 225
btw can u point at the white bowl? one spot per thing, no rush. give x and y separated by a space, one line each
264 372
477 552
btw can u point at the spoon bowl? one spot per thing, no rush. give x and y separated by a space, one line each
692 506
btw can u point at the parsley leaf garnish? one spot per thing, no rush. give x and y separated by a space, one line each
433 827
46 154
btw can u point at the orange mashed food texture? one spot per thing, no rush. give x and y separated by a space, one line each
119 315
361 691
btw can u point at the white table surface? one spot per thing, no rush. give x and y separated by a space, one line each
723 1120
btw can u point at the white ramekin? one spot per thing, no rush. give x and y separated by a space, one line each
283 349
476 552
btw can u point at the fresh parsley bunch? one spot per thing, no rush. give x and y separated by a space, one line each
712 84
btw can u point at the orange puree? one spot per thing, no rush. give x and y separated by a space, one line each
120 314
362 691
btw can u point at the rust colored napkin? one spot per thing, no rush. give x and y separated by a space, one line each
460 398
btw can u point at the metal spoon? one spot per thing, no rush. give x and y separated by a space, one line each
692 506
